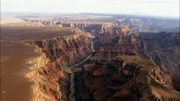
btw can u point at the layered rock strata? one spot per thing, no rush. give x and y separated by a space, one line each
164 50
50 71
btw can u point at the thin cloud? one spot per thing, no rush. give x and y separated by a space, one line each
150 7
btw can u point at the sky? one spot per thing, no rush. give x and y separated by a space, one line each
144 7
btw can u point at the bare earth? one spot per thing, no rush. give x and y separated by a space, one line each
13 83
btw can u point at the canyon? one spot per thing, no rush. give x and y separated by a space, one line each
114 61
124 42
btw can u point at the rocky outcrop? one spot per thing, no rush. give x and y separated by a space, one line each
68 49
107 54
164 50
42 22
126 78
114 41
88 27
97 29
149 24
49 80
116 35
136 24
107 28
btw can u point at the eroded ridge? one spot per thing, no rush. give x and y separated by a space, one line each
125 78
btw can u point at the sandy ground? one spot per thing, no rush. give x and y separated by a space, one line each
14 85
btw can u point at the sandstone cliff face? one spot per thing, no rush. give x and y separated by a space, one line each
107 28
126 78
47 77
114 41
92 28
107 54
50 71
96 29
66 49
105 33
116 35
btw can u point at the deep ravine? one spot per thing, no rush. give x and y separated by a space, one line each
71 96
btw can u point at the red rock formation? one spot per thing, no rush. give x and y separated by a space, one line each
128 78
163 48
88 27
66 49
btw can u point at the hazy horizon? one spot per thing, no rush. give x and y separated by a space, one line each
165 8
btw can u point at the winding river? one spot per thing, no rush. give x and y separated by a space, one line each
73 70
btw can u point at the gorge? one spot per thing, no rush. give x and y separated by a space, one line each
114 61
111 42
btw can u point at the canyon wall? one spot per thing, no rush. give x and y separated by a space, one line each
50 71
68 49
92 28
141 24
136 24
164 50
49 80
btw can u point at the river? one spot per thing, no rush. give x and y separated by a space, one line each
73 70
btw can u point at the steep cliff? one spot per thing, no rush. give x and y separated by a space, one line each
107 33
49 80
68 49
114 41
50 71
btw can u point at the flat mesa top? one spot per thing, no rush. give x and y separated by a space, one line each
33 32
20 30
